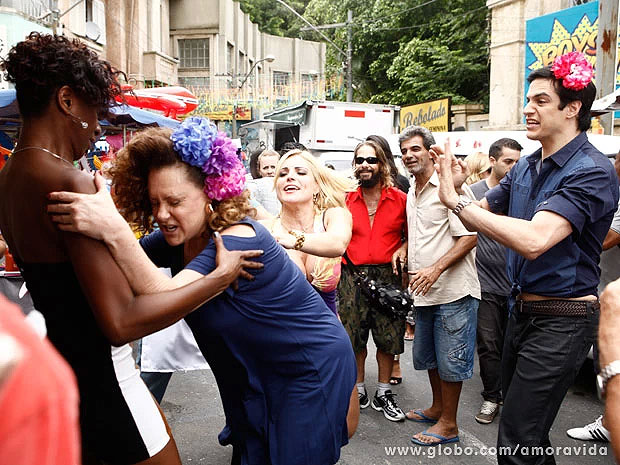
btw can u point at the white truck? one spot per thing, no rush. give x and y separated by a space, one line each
330 130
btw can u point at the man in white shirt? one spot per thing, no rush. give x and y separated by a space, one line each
446 291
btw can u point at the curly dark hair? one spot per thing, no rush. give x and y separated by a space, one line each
153 149
43 63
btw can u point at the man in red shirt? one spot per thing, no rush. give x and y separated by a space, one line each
376 248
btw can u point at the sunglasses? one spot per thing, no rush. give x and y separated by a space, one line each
369 160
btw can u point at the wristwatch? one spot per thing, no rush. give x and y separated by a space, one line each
463 202
606 374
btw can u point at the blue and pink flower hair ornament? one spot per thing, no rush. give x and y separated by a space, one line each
574 70
198 143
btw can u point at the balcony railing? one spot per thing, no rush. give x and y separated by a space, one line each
160 68
33 8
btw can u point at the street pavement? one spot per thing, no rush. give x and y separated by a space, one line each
195 414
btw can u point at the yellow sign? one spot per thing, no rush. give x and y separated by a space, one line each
224 112
433 115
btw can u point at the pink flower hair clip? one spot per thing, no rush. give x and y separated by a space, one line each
574 70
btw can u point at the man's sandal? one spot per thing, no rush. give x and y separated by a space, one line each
423 418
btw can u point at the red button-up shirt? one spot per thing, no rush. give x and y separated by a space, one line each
375 245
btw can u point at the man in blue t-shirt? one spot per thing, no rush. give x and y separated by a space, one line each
552 210
495 286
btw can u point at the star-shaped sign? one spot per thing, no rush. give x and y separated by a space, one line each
581 39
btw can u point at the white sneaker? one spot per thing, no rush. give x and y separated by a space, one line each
595 431
488 412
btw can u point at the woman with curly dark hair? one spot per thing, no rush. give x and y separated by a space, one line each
90 309
282 360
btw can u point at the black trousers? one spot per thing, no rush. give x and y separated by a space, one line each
542 355
492 320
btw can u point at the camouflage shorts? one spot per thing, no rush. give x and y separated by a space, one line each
359 318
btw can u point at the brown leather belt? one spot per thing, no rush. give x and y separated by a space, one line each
557 307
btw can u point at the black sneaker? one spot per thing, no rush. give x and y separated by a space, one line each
387 404
364 401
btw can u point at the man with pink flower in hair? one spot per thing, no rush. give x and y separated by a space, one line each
552 211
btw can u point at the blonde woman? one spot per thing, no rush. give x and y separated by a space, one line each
314 224
479 167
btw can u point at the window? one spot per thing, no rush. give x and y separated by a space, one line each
230 59
241 65
190 81
280 78
194 53
308 84
89 10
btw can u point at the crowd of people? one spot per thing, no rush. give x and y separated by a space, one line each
498 252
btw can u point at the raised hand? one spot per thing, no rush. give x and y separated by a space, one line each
452 173
233 264
93 215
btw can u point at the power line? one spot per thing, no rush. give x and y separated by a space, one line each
399 12
342 52
432 23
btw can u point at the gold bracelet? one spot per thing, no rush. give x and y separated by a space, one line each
300 239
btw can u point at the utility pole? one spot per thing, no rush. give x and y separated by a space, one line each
606 47
349 55
56 14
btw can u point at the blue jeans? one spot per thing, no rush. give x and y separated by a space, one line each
445 338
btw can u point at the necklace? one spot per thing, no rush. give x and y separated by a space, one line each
372 213
306 230
44 150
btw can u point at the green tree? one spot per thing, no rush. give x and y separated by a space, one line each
273 18
409 51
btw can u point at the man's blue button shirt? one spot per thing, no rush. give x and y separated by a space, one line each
577 182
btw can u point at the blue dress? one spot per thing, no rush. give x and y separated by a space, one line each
283 362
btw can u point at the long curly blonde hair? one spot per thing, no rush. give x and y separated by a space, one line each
332 186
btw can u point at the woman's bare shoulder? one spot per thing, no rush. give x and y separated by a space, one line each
337 213
78 181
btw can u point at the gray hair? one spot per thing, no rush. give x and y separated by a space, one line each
412 131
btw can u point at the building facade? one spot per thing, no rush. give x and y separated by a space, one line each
508 56
210 46
221 52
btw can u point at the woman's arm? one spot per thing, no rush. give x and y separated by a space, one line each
123 316
96 216
611 239
331 243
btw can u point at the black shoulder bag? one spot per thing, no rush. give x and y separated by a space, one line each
386 298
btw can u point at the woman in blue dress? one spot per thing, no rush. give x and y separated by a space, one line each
283 362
